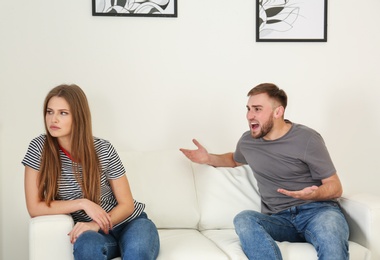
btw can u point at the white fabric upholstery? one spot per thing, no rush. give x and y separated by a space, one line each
228 241
187 244
193 207
223 193
167 176
48 238
363 213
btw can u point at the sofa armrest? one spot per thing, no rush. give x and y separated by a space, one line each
48 238
362 212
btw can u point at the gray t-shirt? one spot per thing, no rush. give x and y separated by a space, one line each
297 160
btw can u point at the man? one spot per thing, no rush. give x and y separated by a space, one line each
297 180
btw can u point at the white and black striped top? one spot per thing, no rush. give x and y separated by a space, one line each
69 188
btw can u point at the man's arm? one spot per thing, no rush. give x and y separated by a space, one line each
331 188
201 156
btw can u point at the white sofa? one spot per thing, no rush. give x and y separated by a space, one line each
193 207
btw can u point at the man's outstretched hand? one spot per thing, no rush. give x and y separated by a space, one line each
199 155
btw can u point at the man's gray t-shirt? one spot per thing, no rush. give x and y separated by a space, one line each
297 160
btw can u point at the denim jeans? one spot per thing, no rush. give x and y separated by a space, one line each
135 240
321 224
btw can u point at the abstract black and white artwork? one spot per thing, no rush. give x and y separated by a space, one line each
291 20
154 8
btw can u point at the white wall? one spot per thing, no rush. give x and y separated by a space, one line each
156 83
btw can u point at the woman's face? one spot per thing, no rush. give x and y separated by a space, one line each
59 118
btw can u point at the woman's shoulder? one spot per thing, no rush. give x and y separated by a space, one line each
104 148
102 145
38 141
33 154
101 142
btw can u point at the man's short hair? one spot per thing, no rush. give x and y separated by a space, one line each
272 91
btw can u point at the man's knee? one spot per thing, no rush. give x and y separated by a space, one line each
245 219
330 225
329 232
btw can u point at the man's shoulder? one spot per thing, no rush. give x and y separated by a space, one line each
302 133
247 137
300 128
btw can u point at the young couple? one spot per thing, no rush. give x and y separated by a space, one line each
68 171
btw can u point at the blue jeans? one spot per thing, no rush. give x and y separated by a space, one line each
321 224
135 240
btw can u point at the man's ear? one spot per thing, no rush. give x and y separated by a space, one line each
279 112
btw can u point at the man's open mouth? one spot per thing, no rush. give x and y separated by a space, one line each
254 126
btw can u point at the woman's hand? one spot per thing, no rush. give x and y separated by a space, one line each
98 215
81 227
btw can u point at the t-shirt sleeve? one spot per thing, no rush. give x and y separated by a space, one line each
32 157
318 158
238 156
115 168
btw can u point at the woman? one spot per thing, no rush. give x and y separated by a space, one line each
68 171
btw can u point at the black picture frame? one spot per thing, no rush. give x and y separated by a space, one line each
291 21
148 8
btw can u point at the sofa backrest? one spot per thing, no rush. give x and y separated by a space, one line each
224 192
164 181
182 194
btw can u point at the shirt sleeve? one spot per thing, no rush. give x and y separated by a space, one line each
115 168
318 158
33 155
238 156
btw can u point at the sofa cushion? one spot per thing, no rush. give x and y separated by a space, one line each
223 193
187 244
164 181
228 241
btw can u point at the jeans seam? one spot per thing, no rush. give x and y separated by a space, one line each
272 241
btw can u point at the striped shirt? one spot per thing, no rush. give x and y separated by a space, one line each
68 186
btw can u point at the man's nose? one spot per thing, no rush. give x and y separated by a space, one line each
250 115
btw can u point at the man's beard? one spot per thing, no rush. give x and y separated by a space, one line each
265 129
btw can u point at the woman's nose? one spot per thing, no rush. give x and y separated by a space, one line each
54 118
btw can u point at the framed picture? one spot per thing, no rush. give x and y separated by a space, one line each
291 20
146 8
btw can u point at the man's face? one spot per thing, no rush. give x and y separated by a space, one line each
260 115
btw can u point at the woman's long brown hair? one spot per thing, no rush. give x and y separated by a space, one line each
82 149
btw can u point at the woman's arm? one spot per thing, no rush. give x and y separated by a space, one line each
125 206
38 207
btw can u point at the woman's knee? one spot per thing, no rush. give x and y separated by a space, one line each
140 240
90 245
